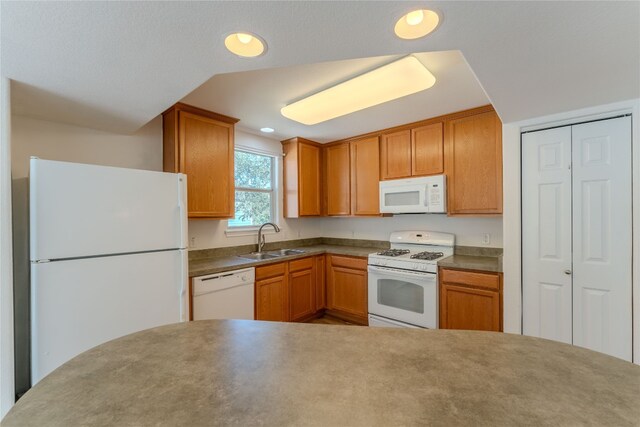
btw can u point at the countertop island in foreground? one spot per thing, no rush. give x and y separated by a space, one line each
284 374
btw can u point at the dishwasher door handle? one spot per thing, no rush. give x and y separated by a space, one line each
216 277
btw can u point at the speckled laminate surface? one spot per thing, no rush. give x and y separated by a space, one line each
201 267
250 373
470 262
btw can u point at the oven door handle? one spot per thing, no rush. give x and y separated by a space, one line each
401 273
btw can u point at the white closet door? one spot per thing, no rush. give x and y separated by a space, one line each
546 234
602 236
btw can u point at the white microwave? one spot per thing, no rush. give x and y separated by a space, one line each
414 195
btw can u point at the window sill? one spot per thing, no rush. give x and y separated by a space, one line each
247 231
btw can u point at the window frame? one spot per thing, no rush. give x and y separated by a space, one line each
251 229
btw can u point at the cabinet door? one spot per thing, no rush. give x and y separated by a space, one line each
206 157
321 285
347 290
365 177
463 307
302 290
309 179
271 299
427 150
395 155
473 163
338 179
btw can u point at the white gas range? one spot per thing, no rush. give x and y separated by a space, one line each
403 282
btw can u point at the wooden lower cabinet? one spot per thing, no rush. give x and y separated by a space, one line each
470 300
321 287
347 288
302 289
272 293
290 291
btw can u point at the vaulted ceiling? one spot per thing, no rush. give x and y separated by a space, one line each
116 65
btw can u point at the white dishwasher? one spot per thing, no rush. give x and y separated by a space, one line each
227 295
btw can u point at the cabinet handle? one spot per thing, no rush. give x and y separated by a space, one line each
567 272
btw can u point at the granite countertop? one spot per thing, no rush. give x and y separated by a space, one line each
201 267
468 258
246 373
473 262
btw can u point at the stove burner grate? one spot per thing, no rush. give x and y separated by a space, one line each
394 252
428 256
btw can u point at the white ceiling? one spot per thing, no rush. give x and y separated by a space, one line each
257 96
116 65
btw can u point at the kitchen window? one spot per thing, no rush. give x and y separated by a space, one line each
255 195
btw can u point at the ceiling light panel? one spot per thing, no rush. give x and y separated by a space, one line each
392 81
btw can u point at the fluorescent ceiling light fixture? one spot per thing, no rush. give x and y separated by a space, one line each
245 44
416 24
267 130
403 77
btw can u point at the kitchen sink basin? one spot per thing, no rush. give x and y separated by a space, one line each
285 252
259 256
271 254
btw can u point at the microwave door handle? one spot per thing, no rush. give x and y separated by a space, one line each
427 197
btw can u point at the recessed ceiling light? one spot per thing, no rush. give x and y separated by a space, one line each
267 130
392 81
245 44
416 24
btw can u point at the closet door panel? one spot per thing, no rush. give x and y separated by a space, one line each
602 242
546 232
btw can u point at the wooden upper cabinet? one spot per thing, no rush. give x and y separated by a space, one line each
302 182
427 150
365 177
395 155
412 152
200 144
337 179
473 164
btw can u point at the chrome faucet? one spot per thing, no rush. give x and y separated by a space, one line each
261 236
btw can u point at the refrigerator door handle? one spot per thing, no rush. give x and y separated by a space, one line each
183 281
182 204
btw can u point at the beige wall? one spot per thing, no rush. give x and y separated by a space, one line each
468 231
58 141
143 150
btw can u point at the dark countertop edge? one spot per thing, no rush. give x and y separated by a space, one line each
228 263
473 262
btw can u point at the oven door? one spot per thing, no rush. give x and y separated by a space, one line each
407 296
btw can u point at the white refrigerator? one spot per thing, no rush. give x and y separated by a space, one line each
108 256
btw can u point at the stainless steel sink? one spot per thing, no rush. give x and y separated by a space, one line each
258 256
285 252
271 254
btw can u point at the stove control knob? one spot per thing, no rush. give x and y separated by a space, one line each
425 267
416 266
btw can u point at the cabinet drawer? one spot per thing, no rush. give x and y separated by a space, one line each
483 280
271 270
301 264
349 262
